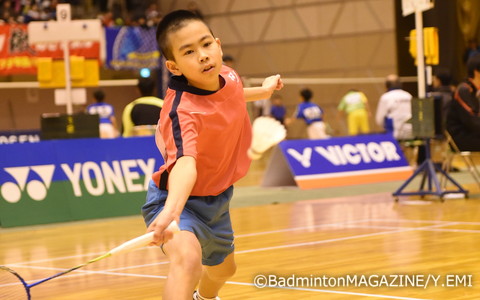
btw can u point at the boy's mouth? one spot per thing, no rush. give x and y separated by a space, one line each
208 68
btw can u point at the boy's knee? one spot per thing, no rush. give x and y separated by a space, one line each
187 260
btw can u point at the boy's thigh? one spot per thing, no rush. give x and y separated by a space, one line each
184 245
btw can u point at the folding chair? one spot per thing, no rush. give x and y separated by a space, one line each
467 156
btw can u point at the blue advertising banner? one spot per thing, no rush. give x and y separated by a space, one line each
75 179
19 136
131 48
348 160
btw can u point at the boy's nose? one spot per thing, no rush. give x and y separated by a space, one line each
203 56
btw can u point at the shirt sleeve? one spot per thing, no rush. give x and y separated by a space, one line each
180 137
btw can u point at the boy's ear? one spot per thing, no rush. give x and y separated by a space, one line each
217 40
172 67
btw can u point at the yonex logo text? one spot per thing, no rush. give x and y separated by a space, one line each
96 179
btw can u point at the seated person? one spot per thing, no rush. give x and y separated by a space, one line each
463 119
142 111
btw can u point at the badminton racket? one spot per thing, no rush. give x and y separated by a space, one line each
13 286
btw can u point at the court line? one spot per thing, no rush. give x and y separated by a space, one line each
261 249
228 282
445 223
83 272
335 240
299 228
425 221
427 229
236 236
328 291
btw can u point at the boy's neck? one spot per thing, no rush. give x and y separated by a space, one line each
221 84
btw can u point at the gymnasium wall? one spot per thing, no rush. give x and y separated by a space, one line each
307 38
296 38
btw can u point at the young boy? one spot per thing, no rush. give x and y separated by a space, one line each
204 132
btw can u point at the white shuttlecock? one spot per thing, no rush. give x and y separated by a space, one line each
267 132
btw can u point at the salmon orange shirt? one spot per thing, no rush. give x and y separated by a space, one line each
213 127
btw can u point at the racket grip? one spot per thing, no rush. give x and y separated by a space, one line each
141 241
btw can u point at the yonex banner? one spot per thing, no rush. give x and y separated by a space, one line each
341 161
19 136
76 179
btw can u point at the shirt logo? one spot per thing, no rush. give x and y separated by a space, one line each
233 76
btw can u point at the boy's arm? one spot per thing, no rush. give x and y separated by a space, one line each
269 85
181 180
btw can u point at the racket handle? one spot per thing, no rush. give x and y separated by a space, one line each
141 241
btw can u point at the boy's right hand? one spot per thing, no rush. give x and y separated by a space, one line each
163 229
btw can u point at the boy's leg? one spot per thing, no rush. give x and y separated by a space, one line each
185 255
214 277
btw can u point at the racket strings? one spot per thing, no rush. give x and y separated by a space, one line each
12 285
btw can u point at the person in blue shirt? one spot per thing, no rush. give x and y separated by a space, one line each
277 110
106 113
312 114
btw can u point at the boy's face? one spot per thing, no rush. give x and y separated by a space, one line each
197 54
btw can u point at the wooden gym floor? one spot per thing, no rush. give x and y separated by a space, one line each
407 250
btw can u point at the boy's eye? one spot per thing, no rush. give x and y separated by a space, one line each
207 44
188 52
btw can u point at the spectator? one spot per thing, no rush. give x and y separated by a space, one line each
472 49
312 114
442 91
394 109
228 60
152 15
277 110
355 105
142 111
106 113
463 119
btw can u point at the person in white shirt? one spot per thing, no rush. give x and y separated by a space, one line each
394 109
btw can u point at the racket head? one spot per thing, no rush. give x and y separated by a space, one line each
12 285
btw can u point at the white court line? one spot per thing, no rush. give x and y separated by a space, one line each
424 221
236 236
335 240
299 228
329 291
447 223
228 282
441 223
420 229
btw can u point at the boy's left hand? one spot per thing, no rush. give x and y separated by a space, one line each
272 83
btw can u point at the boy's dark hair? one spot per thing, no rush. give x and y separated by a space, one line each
99 95
146 86
473 64
306 94
171 23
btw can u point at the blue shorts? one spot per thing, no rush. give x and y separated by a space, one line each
208 217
